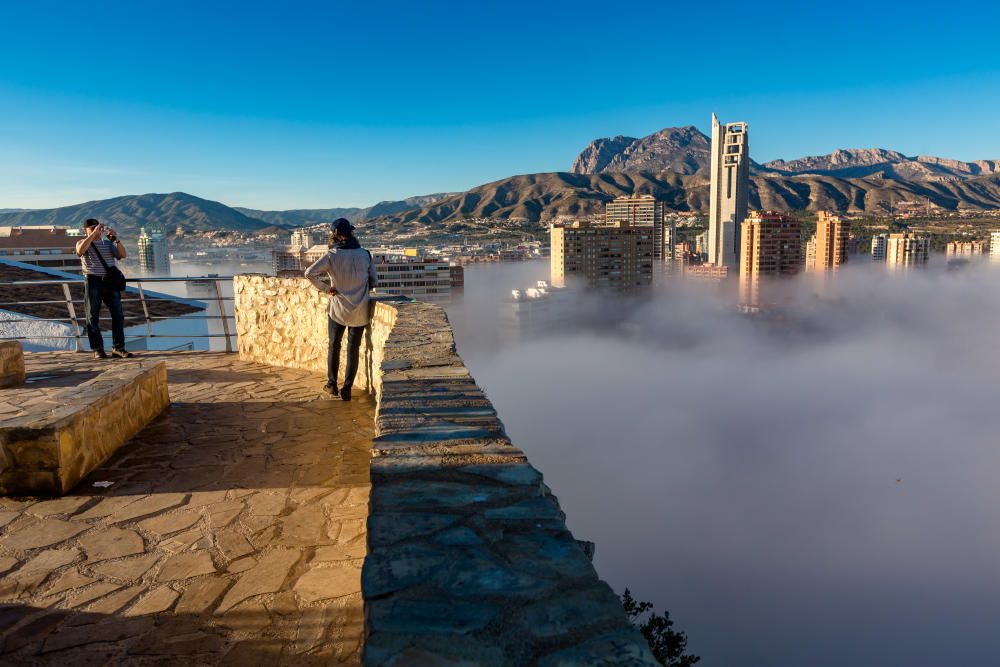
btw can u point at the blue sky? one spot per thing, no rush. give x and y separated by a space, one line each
302 104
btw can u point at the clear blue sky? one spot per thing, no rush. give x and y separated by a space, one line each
302 104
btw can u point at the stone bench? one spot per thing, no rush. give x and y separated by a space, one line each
48 450
11 364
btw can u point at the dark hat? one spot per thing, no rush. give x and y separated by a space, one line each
342 226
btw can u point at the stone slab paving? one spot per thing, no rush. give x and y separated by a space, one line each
233 531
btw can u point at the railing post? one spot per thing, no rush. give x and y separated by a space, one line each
145 312
72 313
222 314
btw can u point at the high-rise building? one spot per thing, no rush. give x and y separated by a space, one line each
965 248
907 250
729 191
304 238
880 246
701 245
811 254
153 255
602 257
51 247
645 211
832 236
770 248
995 247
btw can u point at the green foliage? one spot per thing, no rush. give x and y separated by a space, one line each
668 645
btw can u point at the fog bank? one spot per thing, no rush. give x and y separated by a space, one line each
812 489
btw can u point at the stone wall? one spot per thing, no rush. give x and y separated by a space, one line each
283 322
469 557
11 364
48 450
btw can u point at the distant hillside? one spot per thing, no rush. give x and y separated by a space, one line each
684 150
127 214
861 162
313 216
541 197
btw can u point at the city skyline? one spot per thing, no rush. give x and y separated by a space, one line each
329 107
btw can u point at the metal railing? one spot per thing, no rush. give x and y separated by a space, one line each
79 332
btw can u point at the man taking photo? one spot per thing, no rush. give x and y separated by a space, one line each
99 251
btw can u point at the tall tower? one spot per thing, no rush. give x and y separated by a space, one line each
730 195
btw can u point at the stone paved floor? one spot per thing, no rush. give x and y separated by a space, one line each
233 532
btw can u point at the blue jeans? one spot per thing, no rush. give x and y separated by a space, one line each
354 336
94 294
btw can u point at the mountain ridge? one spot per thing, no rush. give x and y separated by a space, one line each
687 150
128 213
546 196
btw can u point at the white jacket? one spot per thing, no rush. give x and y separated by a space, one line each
351 272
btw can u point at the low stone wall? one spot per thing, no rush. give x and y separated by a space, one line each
11 364
50 449
469 557
283 322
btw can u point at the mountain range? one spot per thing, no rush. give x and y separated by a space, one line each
129 213
687 150
672 164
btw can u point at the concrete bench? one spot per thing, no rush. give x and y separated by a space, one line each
11 364
49 449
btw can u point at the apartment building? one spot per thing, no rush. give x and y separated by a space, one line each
153 255
770 249
419 277
832 242
906 250
601 257
646 211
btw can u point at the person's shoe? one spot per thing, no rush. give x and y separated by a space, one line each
331 389
345 393
100 354
121 354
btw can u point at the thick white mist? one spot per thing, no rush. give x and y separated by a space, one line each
817 490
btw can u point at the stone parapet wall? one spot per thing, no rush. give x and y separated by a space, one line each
469 557
49 449
283 322
11 364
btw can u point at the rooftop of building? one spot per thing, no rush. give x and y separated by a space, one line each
36 237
